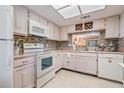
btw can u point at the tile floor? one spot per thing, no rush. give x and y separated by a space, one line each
69 79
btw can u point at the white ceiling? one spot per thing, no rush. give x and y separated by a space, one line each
51 14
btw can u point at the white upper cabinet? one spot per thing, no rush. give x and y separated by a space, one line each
57 33
20 15
122 25
71 28
112 27
99 24
64 33
43 21
34 16
51 30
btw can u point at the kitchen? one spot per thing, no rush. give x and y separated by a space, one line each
66 44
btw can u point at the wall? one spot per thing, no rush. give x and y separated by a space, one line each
48 44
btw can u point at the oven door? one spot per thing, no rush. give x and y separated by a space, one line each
44 64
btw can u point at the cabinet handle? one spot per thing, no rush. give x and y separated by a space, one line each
110 61
25 61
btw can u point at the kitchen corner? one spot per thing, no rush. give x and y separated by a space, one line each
90 50
46 51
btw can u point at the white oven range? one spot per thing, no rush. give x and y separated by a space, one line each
44 67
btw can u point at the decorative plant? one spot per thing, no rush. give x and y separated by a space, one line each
19 43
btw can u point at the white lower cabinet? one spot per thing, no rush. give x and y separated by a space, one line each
58 61
69 61
87 63
92 66
18 78
24 73
82 62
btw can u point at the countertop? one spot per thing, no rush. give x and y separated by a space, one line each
101 52
77 51
31 54
121 64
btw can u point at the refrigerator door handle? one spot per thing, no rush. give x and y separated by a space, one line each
6 39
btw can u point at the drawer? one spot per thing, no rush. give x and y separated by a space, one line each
111 56
45 78
23 61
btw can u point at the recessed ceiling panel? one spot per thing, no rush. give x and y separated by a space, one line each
49 13
58 6
70 11
91 8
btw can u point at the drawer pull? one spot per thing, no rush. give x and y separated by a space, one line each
25 61
110 61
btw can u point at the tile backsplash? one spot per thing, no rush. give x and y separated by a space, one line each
48 44
53 45
121 45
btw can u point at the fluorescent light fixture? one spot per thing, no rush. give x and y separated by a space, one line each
69 11
58 6
91 8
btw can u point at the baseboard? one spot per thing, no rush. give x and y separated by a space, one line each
79 72
122 82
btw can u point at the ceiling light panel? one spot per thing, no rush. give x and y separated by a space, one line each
70 11
58 6
91 8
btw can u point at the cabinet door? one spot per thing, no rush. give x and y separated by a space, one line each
34 16
28 76
99 24
86 64
122 25
81 63
51 31
43 21
91 66
112 27
64 33
17 79
58 61
70 63
24 76
110 69
57 33
20 15
71 28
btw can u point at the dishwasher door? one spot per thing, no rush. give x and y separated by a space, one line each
109 68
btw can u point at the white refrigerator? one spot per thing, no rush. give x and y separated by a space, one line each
6 46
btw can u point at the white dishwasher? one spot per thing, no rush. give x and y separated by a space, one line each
109 68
